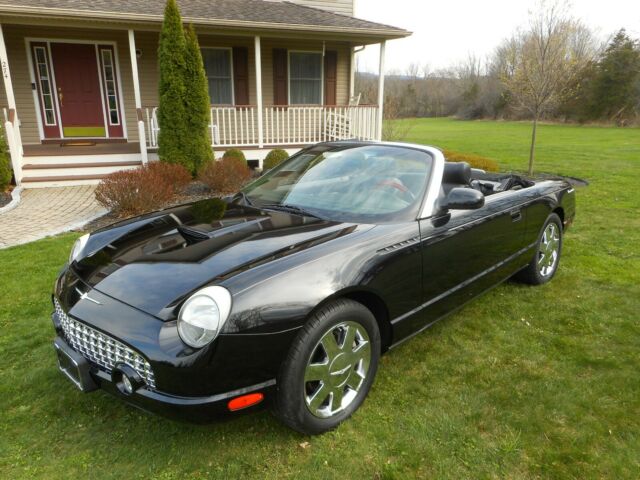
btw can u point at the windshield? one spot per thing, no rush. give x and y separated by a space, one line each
363 184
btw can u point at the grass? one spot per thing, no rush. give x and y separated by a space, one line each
522 383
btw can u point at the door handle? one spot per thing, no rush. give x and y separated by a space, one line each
60 95
516 215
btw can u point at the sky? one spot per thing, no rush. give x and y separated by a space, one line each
446 32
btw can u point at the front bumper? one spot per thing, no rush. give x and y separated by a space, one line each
193 409
179 382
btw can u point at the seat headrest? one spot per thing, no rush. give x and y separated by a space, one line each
458 173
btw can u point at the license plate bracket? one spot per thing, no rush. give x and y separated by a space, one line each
74 366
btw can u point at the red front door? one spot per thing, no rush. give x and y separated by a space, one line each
77 80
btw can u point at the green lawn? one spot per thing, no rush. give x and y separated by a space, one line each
522 383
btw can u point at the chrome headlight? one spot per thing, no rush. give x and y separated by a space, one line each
203 315
78 247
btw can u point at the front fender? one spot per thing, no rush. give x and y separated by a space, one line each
281 295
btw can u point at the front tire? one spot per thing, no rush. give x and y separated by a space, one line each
544 264
330 368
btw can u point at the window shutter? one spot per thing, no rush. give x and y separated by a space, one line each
330 77
241 75
280 76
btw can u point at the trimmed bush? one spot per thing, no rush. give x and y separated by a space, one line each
5 164
198 147
225 176
174 175
148 188
235 153
274 157
476 161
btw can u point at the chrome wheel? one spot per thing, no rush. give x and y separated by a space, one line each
549 250
336 369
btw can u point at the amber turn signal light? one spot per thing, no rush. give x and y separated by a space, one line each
245 401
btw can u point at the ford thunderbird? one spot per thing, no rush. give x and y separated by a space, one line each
287 293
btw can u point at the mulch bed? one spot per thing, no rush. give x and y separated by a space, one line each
5 198
192 193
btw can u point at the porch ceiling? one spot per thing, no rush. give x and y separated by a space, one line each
232 14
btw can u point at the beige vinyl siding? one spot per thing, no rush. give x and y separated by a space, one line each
146 43
15 35
344 7
344 64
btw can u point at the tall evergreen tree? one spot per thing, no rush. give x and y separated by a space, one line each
198 147
616 85
172 113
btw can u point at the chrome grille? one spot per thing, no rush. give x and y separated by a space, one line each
102 349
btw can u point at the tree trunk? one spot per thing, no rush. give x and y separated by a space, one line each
532 151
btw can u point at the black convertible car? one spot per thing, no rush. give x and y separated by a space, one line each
288 292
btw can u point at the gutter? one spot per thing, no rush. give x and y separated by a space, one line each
157 19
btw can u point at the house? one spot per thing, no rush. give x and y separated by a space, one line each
80 80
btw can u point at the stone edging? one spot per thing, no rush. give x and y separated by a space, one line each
15 200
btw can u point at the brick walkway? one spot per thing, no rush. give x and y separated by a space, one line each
48 211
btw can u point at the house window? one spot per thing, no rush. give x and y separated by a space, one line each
305 78
42 66
217 65
110 86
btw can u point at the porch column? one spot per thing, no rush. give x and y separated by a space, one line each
11 124
352 72
258 62
142 137
381 89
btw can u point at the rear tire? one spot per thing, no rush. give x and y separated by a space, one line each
330 368
544 264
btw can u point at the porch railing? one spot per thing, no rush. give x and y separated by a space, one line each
282 125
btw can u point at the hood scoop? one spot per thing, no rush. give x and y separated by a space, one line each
196 234
192 235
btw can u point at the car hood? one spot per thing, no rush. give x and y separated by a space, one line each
152 262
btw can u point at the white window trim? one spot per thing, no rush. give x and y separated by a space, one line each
108 110
48 41
96 48
319 52
39 89
233 92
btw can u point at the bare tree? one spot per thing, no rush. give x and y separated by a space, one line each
425 70
394 128
412 72
541 63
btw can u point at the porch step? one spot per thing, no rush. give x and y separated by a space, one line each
46 172
40 166
56 166
62 180
81 159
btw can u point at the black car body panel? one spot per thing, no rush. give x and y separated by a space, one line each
279 267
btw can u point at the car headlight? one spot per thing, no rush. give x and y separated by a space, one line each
203 315
78 247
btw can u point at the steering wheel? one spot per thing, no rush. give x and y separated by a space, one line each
400 188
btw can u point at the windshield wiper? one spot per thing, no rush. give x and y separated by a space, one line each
285 207
242 196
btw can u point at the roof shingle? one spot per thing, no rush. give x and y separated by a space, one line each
273 14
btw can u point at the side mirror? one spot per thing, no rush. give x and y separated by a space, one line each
464 199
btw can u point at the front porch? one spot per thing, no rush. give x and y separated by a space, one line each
260 112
